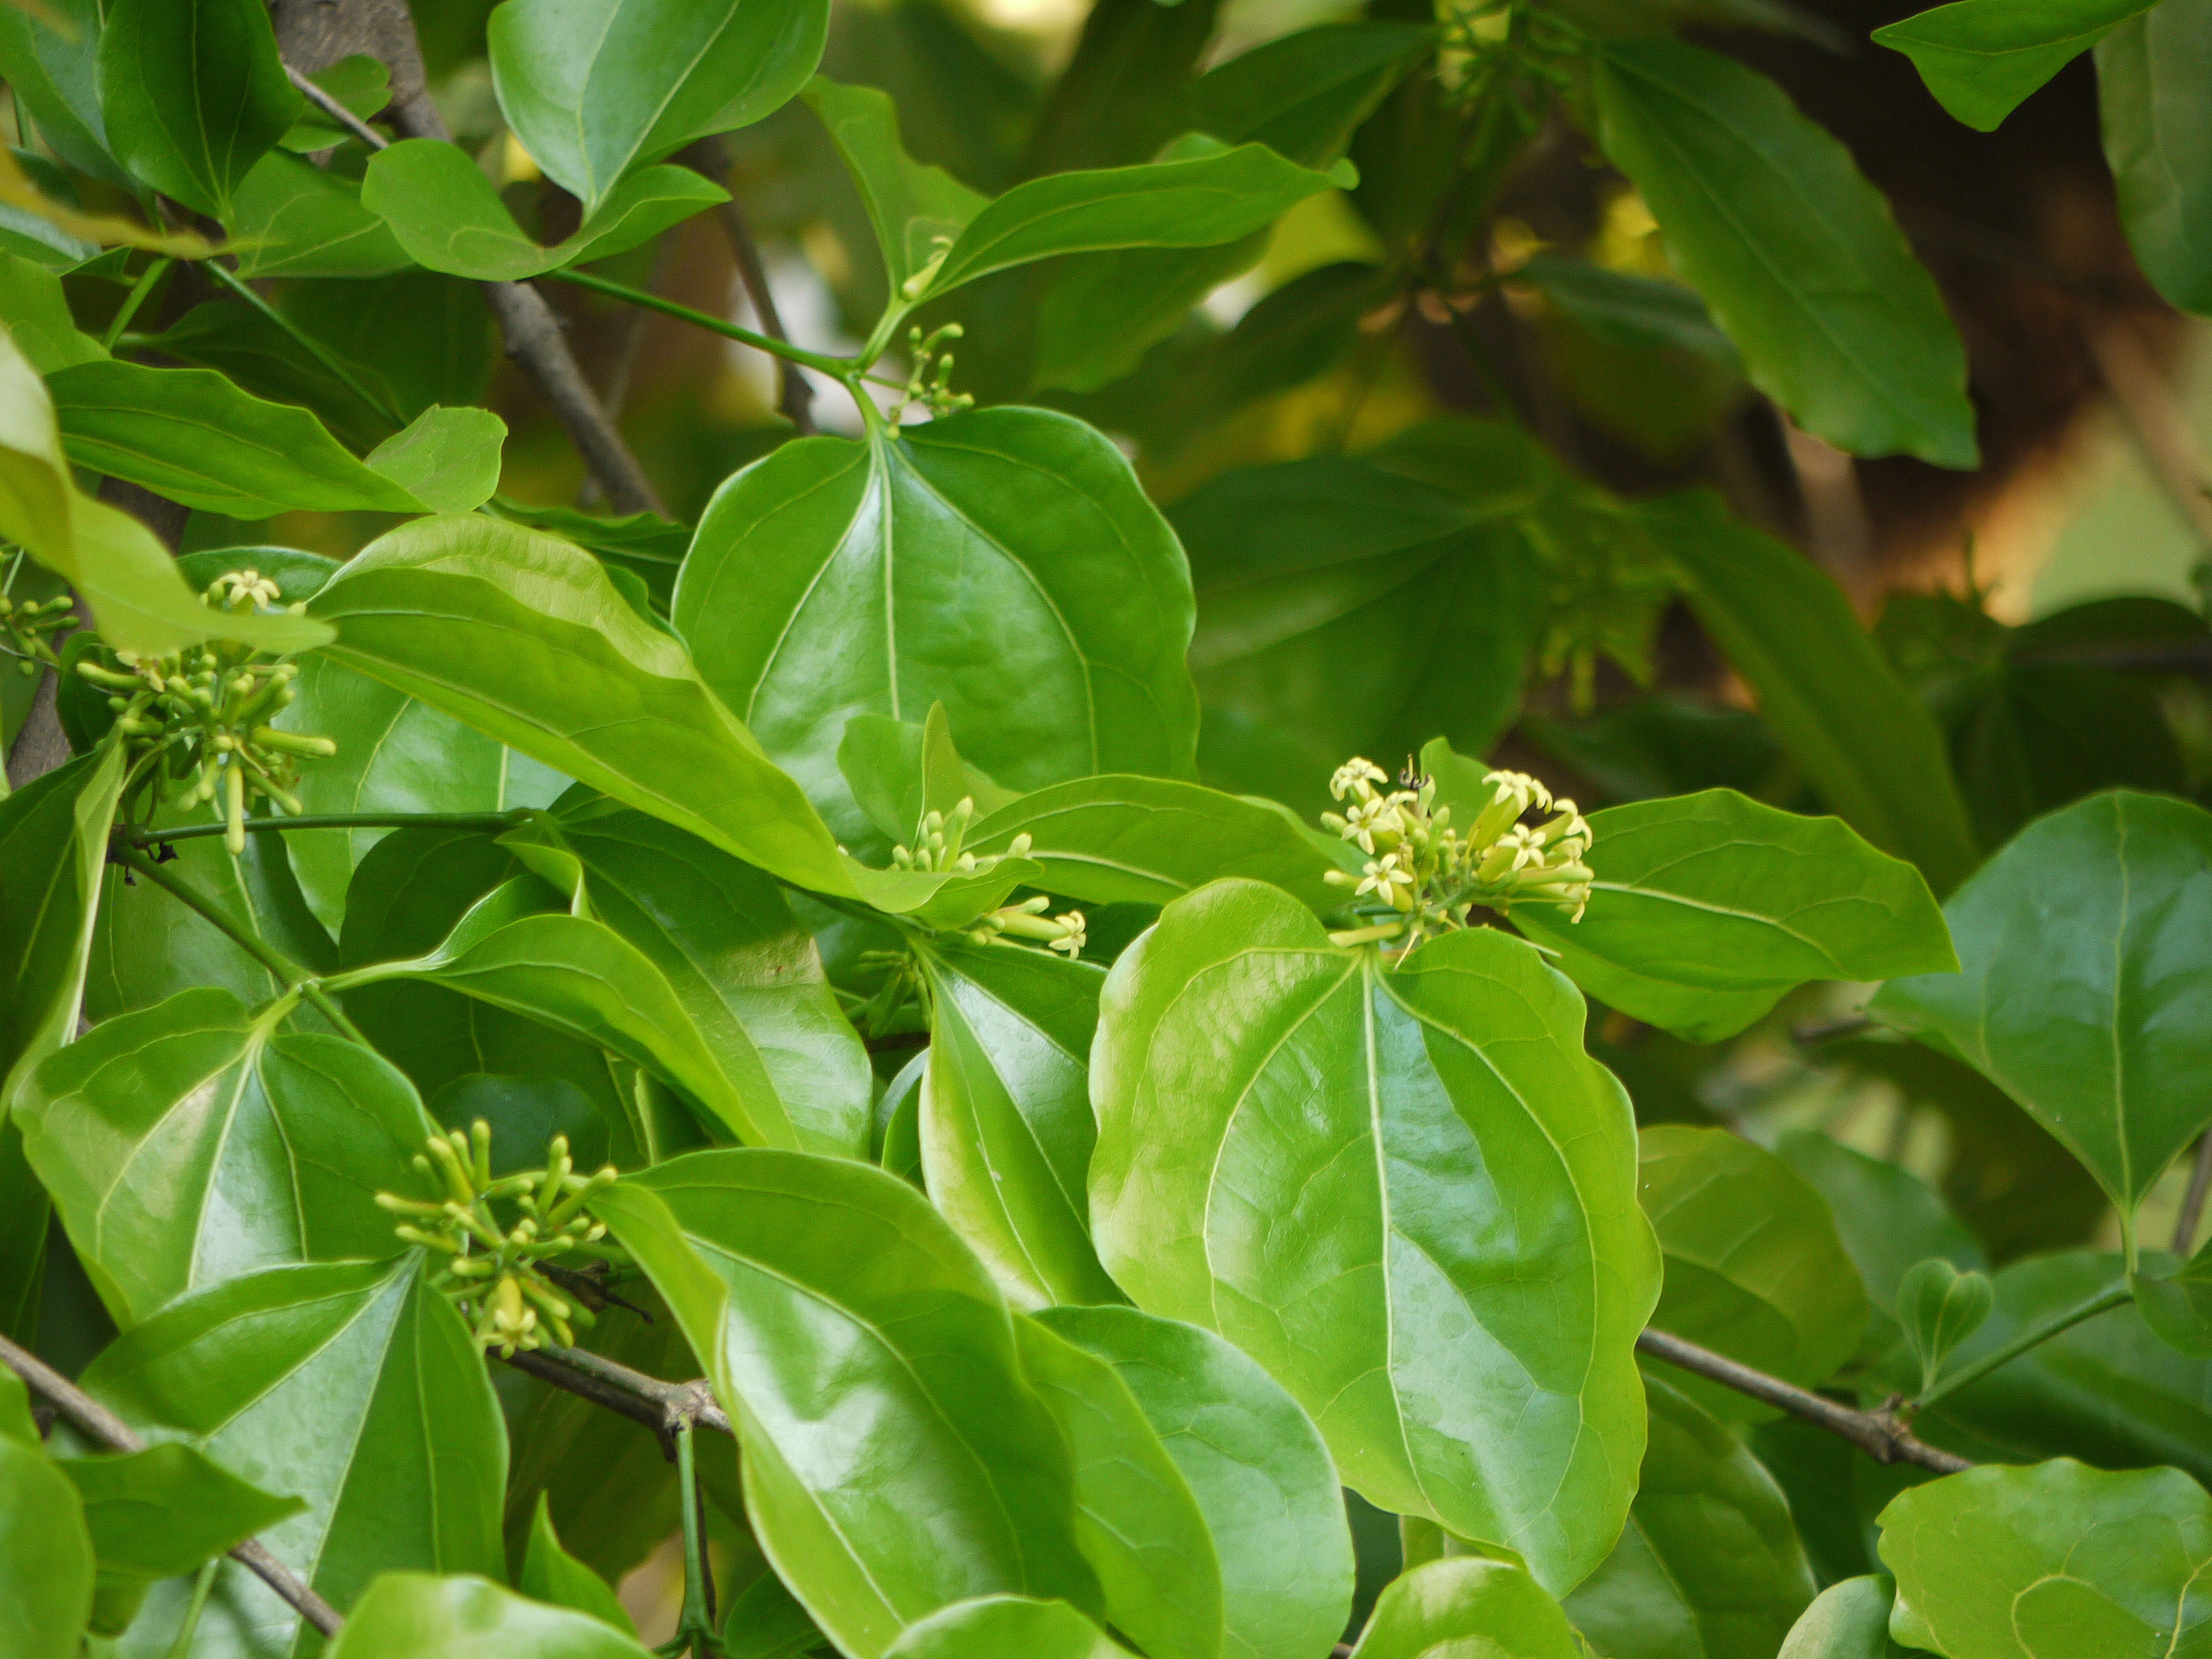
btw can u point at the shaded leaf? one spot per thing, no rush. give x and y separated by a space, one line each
45 1555
2159 144
296 219
1981 58
411 1615
550 1574
445 459
1849 1620
1005 1627
1939 1308
54 856
916 211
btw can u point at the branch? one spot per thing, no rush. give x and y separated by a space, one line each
1877 1434
661 1406
489 822
96 1423
795 401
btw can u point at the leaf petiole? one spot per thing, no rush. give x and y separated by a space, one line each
2104 1301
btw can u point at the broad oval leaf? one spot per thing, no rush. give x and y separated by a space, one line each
190 1143
446 459
1981 58
1257 1464
2086 987
1004 562
296 219
1847 1621
354 1387
1755 1267
2011 1563
1794 250
1006 1124
1006 1627
1487 1607
415 1615
896 1459
2159 144
1715 892
45 1555
597 89
1406 1194
1708 1566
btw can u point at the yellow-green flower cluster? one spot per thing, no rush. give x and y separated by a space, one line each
1065 932
937 843
1433 872
494 1272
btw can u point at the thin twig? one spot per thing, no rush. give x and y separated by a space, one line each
338 112
839 367
661 1406
2193 1201
795 397
487 822
1877 1434
2034 1336
95 1422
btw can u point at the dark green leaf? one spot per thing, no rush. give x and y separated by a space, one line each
188 1144
765 1621
2087 998
1624 309
39 318
1005 1627
1849 1620
1981 58
596 89
1716 893
1863 740
445 459
896 1134
827 1299
53 853
362 83
898 771
1939 1308
413 1615
354 1386
296 219
1754 1267
1486 1607
194 94
550 1573
45 1556
2159 144
1005 563
2178 1305
1794 250
52 76
1708 1566
1292 1149
1254 1462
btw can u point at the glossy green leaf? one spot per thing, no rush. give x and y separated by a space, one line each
191 435
550 1574
445 459
1465 1604
53 76
1849 1620
2159 144
1254 1462
1297 1149
2002 1562
445 213
296 219
597 89
2087 998
895 1458
1004 562
194 94
1147 840
45 1556
1708 1566
189 1144
1794 250
53 855
1939 1308
413 1615
353 1386
898 770
747 975
1005 1627
1981 58
1862 739
1717 892
1006 1124
523 637
1754 1267
1136 1520
916 211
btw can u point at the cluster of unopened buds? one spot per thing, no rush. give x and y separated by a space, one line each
1028 920
493 1272
934 393
30 625
207 709
1433 873
939 844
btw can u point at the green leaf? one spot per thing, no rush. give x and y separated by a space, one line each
1715 892
53 855
2002 1562
895 1134
1136 1520
1939 1308
748 976
194 94
1463 1602
1257 1464
1981 58
1006 1124
45 1555
445 213
1754 1268
1004 562
414 1615
1862 739
917 211
1794 250
1849 1620
895 1458
2085 998
2159 144
1623 309
189 1144
445 459
360 83
1708 1566
597 89
191 435
550 1573
52 76
1005 1627
39 318
296 219
899 771
1293 1151
2178 1305
353 1385
1147 840
16 1423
